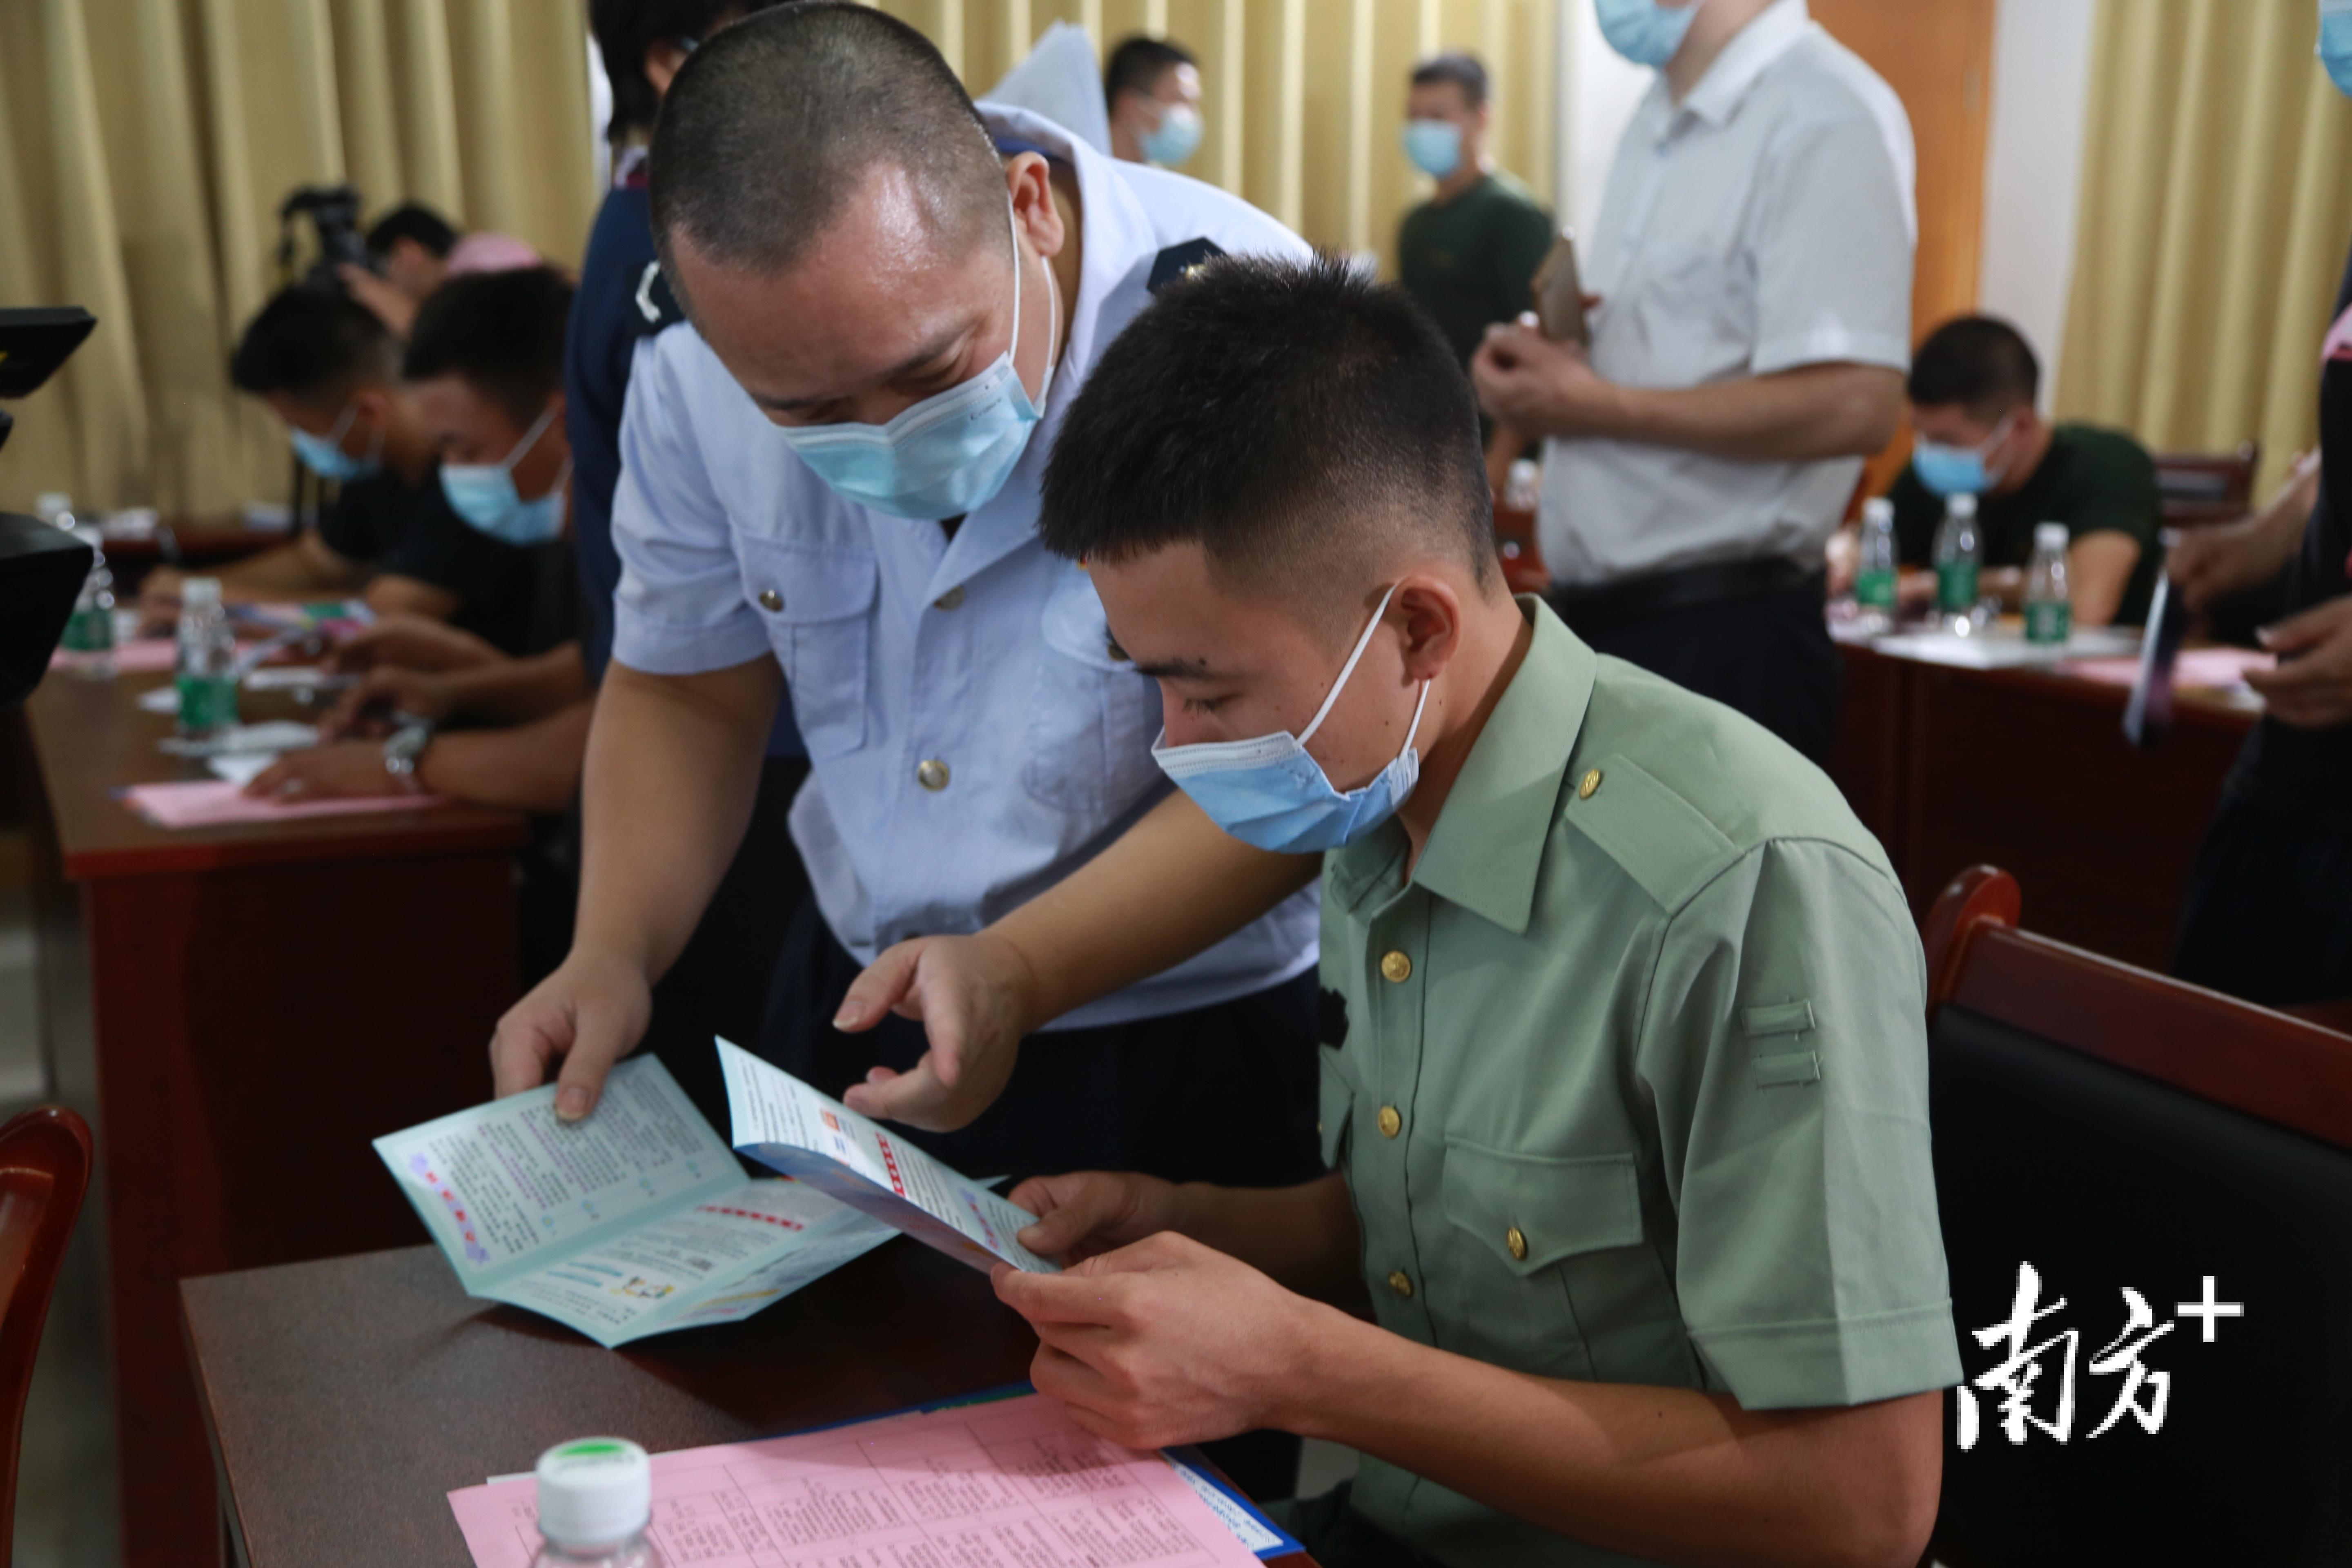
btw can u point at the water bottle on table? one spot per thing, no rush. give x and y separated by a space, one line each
1959 560
1874 572
596 1500
207 669
89 631
2049 614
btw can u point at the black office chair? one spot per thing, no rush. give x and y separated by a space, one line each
2115 1129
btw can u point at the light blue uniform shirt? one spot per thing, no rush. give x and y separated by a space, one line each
972 739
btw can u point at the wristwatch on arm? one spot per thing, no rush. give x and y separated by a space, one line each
404 748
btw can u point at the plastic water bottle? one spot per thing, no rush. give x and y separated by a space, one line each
1959 556
2049 614
1523 490
207 674
56 509
89 631
596 1500
1874 574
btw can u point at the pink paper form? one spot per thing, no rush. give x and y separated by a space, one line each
1011 1484
207 803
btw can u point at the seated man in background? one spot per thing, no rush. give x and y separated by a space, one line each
415 251
1153 87
1630 1249
332 371
484 369
1972 389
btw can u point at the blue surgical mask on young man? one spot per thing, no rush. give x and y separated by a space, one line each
2335 43
952 452
1434 146
1176 138
1960 471
1270 794
1644 31
324 455
484 494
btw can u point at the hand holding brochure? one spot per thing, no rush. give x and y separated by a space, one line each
787 1126
634 1222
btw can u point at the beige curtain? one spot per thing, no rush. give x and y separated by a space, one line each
144 146
2216 210
1304 99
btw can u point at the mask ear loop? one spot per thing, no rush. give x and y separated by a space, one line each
1349 668
529 439
1053 321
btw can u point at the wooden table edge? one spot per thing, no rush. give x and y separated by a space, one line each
473 829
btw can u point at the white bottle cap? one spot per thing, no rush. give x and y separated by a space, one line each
1524 471
594 1491
198 592
1877 509
2050 536
1963 504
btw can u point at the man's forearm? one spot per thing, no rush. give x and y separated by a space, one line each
515 691
1168 888
1805 415
525 767
1671 1474
298 566
1305 1238
673 768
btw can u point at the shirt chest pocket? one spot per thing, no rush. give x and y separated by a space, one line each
1545 1253
819 610
1087 748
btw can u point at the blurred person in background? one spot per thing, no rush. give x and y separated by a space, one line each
1153 89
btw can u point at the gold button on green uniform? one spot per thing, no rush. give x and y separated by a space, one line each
1391 1122
1666 1052
931 773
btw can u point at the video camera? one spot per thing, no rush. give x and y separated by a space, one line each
334 214
41 567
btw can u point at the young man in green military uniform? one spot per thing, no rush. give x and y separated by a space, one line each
1625 1084
1972 387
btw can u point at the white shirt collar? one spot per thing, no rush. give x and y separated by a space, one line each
1772 32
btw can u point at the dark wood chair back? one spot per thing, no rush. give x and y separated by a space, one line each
2118 1130
2207 487
44 1171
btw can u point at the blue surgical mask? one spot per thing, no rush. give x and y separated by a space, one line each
1434 146
2336 42
948 453
1270 794
1960 471
324 455
1644 31
484 494
1176 138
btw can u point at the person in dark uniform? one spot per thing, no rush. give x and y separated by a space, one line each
2269 911
720 982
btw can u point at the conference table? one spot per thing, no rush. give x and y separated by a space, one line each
346 1399
1953 764
239 1010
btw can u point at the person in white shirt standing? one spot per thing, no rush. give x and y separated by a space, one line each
1751 269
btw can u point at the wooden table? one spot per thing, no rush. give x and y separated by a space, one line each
346 1399
239 1011
2028 770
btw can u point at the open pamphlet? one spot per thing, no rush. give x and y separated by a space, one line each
787 1126
634 1222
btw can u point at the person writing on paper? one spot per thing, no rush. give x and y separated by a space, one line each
1752 261
1972 387
1624 1074
484 370
1153 89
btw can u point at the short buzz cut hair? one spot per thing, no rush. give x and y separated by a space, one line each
1981 363
313 344
502 331
411 220
1139 63
1465 72
774 123
1307 426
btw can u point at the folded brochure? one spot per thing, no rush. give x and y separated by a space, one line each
638 1220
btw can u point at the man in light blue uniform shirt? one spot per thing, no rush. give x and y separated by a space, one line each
833 469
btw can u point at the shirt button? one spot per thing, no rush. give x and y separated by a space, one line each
770 600
949 600
1391 1122
931 773
1396 968
1401 1283
1587 784
1516 1239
